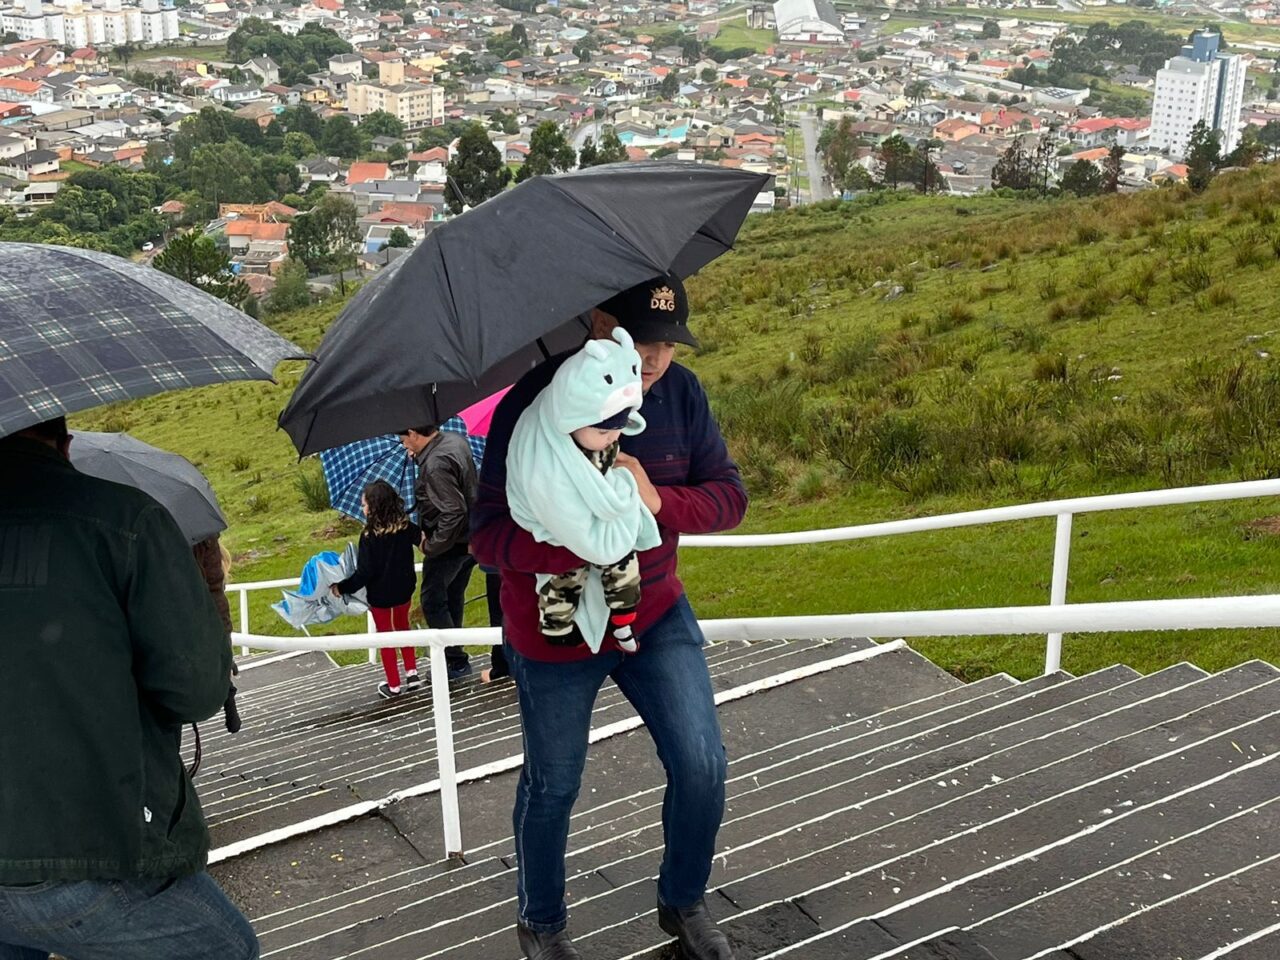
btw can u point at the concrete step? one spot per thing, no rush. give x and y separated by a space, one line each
614 881
333 744
1234 894
616 768
1079 876
906 847
261 670
1262 945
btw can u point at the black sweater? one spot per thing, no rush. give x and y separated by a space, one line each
385 567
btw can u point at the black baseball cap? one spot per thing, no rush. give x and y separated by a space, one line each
656 311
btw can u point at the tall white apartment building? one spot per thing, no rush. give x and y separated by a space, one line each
77 24
1201 84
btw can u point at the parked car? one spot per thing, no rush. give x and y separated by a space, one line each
148 247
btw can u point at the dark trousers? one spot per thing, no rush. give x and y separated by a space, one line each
444 594
669 685
498 666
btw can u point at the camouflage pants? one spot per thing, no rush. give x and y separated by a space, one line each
559 597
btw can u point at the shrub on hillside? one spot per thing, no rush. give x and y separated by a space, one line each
311 486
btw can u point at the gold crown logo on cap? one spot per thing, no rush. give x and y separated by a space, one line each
663 298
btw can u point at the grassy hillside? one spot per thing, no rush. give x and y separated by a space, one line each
904 356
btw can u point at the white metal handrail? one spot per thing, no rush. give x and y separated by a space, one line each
1055 619
1182 614
1063 510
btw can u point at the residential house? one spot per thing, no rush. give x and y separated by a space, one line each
235 93
241 234
32 165
266 69
319 170
16 90
955 130
363 172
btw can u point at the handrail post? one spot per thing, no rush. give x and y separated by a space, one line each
244 618
440 701
1058 589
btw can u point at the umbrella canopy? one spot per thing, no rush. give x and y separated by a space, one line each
167 477
479 416
81 328
490 294
353 466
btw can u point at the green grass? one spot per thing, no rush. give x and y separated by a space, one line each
213 52
73 166
734 35
801 350
897 24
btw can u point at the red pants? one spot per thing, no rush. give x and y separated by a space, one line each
387 619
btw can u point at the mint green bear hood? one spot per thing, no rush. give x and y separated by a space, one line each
555 491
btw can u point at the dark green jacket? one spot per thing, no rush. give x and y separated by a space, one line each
109 642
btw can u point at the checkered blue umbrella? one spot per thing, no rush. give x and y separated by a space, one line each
352 467
79 329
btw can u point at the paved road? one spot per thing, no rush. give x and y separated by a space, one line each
819 189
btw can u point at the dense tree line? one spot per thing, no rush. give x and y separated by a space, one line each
298 56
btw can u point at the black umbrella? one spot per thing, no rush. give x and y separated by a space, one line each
169 478
79 329
490 294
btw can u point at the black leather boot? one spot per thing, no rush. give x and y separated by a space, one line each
546 946
699 937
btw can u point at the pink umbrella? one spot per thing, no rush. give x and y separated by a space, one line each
478 416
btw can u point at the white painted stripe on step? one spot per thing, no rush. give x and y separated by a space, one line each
1148 907
734 764
266 662
874 867
1232 947
939 775
997 867
944 840
515 762
981 735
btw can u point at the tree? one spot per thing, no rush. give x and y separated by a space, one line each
839 151
972 57
124 52
588 156
612 149
1015 170
1083 179
917 90
340 138
196 259
1269 137
670 85
399 237
476 171
925 175
894 157
520 36
1248 151
1112 167
690 49
224 173
290 291
708 75
504 121
990 30
549 152
381 124
333 234
1203 156
299 145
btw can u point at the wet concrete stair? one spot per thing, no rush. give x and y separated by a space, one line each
876 809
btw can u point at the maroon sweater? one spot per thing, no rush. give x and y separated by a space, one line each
685 457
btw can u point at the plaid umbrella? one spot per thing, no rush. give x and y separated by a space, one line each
352 467
79 328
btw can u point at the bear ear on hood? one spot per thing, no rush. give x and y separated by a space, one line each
597 349
624 338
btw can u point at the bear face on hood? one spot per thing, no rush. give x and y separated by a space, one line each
598 382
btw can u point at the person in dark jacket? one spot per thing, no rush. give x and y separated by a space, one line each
689 483
102 841
445 490
385 569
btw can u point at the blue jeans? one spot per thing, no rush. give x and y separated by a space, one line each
187 918
669 685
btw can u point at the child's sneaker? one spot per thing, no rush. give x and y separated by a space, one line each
622 634
412 680
387 692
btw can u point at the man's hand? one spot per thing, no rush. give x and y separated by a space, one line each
333 589
648 492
